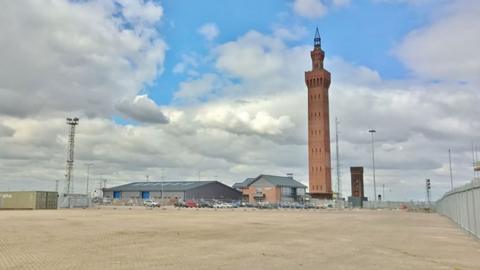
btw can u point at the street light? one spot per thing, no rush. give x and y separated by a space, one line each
373 131
88 175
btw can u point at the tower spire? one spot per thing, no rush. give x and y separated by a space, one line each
317 41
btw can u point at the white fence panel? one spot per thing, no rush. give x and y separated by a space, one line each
462 205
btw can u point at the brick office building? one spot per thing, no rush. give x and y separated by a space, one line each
271 189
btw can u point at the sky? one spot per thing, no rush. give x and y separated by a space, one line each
214 90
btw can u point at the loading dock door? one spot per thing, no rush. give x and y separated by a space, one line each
117 195
145 195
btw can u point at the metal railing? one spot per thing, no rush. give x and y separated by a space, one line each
462 205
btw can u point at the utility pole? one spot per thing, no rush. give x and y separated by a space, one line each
71 140
373 131
450 162
88 176
339 188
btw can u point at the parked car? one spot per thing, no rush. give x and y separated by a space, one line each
191 204
179 204
151 203
106 200
205 204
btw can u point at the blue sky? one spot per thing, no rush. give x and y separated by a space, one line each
364 32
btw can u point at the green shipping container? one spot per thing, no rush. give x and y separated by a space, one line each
28 200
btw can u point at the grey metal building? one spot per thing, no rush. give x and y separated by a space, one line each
173 190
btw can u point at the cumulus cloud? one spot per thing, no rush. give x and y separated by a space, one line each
314 9
199 89
76 56
188 64
447 48
142 109
263 60
310 8
209 31
294 32
6 131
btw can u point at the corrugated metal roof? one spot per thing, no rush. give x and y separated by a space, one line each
158 186
284 181
244 184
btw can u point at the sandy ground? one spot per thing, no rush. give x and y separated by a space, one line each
232 239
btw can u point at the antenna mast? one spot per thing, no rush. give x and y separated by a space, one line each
71 145
339 188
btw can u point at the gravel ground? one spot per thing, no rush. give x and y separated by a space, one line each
232 239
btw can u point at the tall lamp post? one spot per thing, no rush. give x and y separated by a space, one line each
372 132
88 176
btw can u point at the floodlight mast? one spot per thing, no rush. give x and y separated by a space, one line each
71 145
373 131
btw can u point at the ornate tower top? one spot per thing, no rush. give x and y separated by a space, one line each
317 54
317 41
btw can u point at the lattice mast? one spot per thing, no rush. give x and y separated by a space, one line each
72 122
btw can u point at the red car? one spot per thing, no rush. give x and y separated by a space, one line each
191 204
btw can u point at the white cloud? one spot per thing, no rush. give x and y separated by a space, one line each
354 74
309 8
446 49
266 60
81 57
188 64
200 88
142 109
209 31
294 32
6 131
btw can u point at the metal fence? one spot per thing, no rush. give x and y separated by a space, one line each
396 205
462 205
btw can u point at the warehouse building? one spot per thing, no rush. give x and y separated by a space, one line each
173 190
271 189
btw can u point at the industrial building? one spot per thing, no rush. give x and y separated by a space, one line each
271 189
173 190
28 200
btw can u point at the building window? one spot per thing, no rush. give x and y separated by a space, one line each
287 192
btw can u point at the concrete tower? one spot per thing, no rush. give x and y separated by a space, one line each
318 82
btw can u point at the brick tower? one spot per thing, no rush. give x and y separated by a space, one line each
318 82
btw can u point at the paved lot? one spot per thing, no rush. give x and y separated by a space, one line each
238 239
